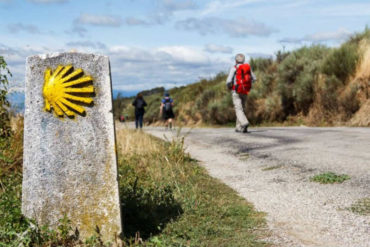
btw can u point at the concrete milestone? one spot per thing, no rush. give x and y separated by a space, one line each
70 166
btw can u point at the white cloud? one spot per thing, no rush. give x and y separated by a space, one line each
212 48
176 5
133 21
336 36
87 43
291 40
221 6
139 68
77 29
133 68
183 54
99 20
158 18
163 13
235 28
48 1
259 55
20 27
16 59
339 35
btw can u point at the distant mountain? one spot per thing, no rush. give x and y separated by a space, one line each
16 99
123 94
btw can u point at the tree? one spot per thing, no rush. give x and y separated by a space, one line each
5 129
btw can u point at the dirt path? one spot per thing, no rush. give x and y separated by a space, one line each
271 167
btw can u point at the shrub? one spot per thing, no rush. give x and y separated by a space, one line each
358 37
260 64
281 55
297 75
221 111
204 98
349 103
342 62
327 96
5 129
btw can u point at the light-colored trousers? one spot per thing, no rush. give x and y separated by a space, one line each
239 101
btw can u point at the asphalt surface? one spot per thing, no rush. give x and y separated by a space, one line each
272 167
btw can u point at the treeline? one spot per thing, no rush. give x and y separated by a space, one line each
314 85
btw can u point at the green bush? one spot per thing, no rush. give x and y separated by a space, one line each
202 101
5 129
342 62
297 75
221 112
358 37
281 55
260 64
327 95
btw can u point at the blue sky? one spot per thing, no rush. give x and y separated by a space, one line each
170 42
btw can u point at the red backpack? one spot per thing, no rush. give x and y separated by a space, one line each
243 80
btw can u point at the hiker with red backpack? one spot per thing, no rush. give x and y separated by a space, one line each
239 81
166 110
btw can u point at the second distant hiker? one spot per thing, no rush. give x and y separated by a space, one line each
239 81
166 110
139 104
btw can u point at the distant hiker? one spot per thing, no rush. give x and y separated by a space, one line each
121 118
139 104
239 81
166 110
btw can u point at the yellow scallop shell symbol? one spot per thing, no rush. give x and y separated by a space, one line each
65 89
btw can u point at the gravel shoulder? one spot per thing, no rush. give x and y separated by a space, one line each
271 167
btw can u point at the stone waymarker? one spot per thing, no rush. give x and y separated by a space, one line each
70 164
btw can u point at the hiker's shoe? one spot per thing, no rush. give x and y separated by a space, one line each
245 129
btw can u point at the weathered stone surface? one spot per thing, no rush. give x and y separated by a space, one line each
70 164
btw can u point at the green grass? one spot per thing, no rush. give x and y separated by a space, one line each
329 178
187 206
167 200
362 206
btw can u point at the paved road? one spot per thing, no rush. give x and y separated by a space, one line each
299 212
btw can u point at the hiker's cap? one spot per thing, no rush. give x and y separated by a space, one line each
166 94
239 58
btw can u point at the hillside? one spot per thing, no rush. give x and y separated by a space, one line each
314 85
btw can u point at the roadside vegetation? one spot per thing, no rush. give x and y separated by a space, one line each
167 199
361 206
314 85
170 200
329 178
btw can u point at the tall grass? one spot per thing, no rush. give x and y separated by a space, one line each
168 199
